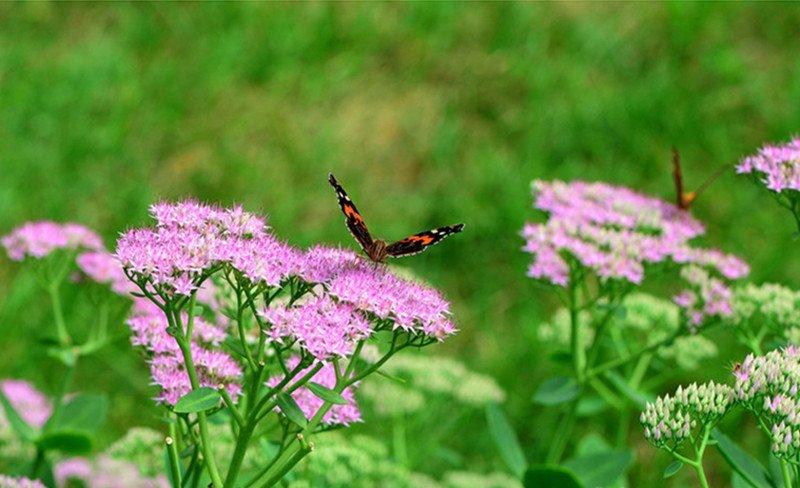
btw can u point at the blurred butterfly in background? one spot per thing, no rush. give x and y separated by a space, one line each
379 250
684 199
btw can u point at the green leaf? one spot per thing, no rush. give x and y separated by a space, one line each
556 390
750 469
325 393
550 476
589 406
23 430
639 398
561 357
290 409
672 469
198 400
505 439
68 442
600 469
84 412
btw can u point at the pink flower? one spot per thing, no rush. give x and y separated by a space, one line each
38 239
778 166
103 267
320 325
30 404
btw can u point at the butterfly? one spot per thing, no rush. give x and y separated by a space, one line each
378 250
684 199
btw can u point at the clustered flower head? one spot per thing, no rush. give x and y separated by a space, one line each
191 239
104 472
11 482
771 305
323 327
38 239
30 403
615 233
768 386
310 403
672 419
776 166
214 366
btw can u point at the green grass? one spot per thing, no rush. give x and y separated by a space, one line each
428 113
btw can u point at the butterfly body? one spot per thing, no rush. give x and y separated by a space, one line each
684 199
379 250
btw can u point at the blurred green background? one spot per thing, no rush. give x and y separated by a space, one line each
428 113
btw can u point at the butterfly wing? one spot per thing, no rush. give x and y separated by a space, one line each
681 199
353 219
419 242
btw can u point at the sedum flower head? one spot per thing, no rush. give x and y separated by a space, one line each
104 472
426 379
191 238
776 166
38 239
214 366
672 419
11 482
411 306
616 233
142 447
769 304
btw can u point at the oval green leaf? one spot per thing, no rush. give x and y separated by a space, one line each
505 439
325 393
290 409
68 442
198 400
84 412
546 475
556 390
602 468
751 470
672 469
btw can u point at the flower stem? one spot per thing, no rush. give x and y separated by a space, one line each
184 342
58 314
787 476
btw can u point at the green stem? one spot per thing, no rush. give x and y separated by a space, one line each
172 451
787 476
58 315
184 342
58 402
562 434
576 346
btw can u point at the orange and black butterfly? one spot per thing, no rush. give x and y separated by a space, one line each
379 250
684 199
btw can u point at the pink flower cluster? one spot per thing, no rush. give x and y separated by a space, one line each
11 482
778 166
191 238
214 367
616 233
310 403
30 404
104 472
38 239
322 326
103 267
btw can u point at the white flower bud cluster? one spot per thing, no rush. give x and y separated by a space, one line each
769 304
670 420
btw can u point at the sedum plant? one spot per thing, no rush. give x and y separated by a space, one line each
594 249
240 327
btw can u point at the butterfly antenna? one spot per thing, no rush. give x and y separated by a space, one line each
711 179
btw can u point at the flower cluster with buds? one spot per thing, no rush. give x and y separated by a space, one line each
616 234
776 166
672 419
770 306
